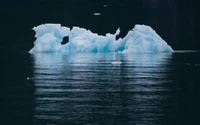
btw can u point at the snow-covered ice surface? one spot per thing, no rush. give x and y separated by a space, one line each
140 39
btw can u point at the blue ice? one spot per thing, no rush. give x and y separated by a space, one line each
141 39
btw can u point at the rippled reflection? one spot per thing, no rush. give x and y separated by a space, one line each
87 88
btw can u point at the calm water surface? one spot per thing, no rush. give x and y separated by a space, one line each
85 88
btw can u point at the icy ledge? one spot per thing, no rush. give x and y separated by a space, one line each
140 39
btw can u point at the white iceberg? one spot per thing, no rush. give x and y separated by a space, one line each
140 39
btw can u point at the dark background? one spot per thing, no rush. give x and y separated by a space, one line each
175 21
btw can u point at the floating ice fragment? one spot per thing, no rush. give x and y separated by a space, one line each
105 5
29 78
97 14
116 62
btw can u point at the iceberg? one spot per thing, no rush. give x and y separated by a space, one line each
140 39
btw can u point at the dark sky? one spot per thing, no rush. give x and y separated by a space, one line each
175 21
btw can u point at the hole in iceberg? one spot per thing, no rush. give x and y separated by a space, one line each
65 40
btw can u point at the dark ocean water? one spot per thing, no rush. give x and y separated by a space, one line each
85 88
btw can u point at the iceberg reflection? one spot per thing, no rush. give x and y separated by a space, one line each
87 88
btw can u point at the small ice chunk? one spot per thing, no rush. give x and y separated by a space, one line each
116 62
29 78
105 5
97 14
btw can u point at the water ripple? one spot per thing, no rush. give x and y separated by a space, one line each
88 89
